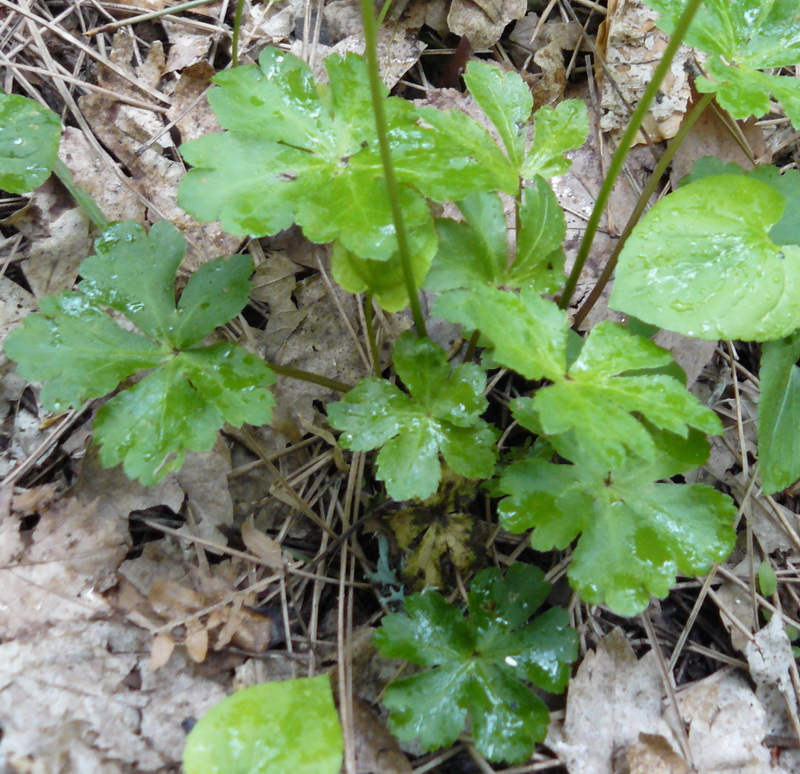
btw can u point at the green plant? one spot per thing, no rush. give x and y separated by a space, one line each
288 727
609 419
478 665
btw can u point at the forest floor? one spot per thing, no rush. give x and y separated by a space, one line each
126 612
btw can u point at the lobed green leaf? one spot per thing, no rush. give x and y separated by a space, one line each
29 137
634 534
555 131
479 664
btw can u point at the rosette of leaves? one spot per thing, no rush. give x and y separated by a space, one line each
190 389
635 531
743 37
441 413
479 665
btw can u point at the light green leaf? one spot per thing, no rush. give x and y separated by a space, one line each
767 579
29 136
78 351
288 727
529 333
442 414
602 404
702 263
385 278
779 414
743 36
555 131
295 151
634 534
479 664
506 100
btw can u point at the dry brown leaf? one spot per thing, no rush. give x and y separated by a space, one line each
739 604
161 649
376 750
197 642
262 546
186 46
483 21
57 571
190 109
631 45
613 698
204 478
653 754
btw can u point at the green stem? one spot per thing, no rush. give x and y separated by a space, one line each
618 159
376 88
307 376
373 342
86 203
648 190
237 28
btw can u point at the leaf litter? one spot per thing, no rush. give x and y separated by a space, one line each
227 574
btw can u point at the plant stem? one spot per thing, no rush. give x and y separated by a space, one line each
472 346
373 343
85 202
237 28
618 159
376 88
307 376
648 190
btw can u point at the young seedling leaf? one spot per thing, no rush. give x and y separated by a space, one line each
743 37
529 333
602 397
555 131
480 664
441 414
634 534
296 152
779 414
385 278
506 100
787 230
80 352
475 251
281 727
702 263
29 136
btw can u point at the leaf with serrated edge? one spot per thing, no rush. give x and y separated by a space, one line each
506 100
529 333
78 351
743 37
133 272
478 664
555 131
634 534
702 263
442 414
29 136
598 401
779 414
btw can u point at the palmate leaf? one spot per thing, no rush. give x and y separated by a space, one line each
296 151
475 251
29 136
80 352
555 131
779 414
634 534
743 36
599 399
480 664
702 262
601 396
441 415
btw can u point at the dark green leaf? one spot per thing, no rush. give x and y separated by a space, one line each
29 136
478 664
288 727
779 414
